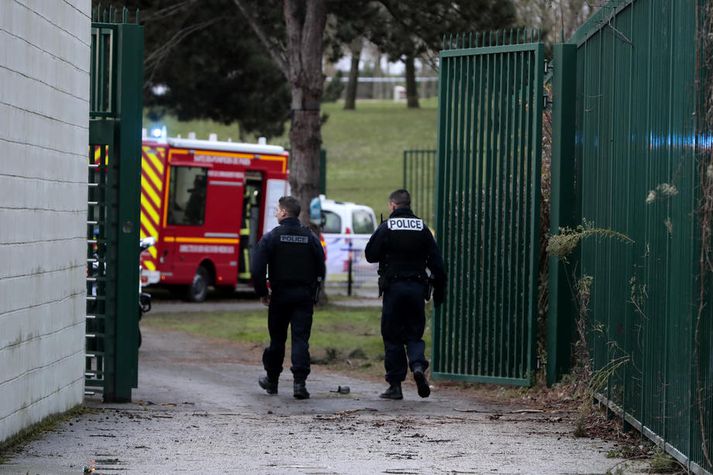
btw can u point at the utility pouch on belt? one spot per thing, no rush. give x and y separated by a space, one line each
382 285
428 289
317 291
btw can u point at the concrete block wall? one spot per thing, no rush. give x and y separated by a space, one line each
44 136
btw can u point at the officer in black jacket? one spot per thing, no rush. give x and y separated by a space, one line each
294 259
404 247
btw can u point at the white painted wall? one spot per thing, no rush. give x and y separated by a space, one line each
44 120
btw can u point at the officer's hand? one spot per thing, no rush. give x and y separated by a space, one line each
265 300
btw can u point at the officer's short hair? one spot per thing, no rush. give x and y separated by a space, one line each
290 205
401 198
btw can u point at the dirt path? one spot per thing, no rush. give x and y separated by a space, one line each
197 411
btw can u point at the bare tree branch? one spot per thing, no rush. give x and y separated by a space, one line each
398 18
154 60
167 11
274 49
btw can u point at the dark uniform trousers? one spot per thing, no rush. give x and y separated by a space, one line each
290 306
403 321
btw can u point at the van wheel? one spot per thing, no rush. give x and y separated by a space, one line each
198 290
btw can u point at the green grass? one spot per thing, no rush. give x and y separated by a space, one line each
364 147
337 332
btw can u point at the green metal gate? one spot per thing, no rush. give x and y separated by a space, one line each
488 195
420 180
635 132
113 206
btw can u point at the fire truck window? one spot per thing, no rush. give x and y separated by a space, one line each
363 222
332 223
187 196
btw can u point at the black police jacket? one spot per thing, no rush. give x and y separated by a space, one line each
404 247
291 254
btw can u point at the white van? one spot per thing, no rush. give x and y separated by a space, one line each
341 217
346 228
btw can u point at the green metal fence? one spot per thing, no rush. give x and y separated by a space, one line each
489 147
630 153
113 205
420 180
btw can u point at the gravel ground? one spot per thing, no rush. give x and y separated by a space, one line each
198 409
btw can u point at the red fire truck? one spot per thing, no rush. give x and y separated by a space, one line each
207 203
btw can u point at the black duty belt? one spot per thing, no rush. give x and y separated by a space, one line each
407 278
283 284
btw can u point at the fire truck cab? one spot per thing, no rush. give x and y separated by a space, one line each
207 203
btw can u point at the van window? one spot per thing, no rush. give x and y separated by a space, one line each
187 196
362 221
332 223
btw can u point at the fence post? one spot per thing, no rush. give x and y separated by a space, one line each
565 211
349 275
405 180
130 51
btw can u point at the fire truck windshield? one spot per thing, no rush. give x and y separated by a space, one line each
187 195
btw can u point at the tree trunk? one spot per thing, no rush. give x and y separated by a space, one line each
411 91
305 21
350 98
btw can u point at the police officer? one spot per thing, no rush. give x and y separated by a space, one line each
404 247
294 259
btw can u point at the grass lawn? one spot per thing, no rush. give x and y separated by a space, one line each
364 147
338 333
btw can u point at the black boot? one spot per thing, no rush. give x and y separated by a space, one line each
300 391
269 385
394 392
421 382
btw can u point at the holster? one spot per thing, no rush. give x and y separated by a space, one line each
317 291
428 289
383 285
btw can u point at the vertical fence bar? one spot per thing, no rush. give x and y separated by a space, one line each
130 58
565 210
470 245
486 158
520 182
524 205
103 77
506 314
455 210
476 260
536 173
405 170
496 315
459 204
484 211
440 313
